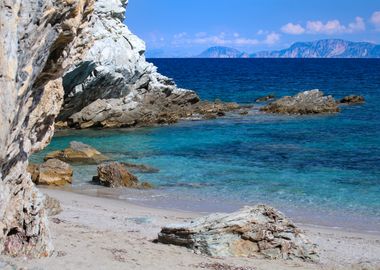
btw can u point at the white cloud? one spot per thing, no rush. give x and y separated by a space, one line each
201 34
375 19
246 41
222 39
262 32
329 27
293 29
357 26
272 38
180 35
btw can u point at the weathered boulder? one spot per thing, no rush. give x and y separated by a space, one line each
78 153
352 99
265 98
308 102
52 172
259 231
38 40
115 174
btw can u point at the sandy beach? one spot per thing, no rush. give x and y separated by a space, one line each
101 233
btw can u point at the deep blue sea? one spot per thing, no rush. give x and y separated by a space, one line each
317 169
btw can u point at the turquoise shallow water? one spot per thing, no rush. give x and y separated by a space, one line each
318 169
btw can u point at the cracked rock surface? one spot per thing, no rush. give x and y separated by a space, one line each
37 41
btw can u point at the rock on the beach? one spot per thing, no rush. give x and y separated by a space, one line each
259 231
308 102
78 153
115 174
37 40
52 172
352 99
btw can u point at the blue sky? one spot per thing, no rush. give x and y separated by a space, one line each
186 27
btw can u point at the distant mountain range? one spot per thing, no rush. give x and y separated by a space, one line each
222 52
327 48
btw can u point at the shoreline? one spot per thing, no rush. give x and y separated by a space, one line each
106 233
162 200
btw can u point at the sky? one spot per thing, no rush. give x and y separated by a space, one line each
182 28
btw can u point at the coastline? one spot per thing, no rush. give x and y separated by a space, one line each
105 233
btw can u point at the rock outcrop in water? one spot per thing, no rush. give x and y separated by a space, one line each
259 231
308 102
78 152
115 174
352 99
114 86
37 41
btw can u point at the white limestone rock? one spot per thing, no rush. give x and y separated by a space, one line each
259 231
115 68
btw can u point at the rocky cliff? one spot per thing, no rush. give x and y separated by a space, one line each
114 86
38 40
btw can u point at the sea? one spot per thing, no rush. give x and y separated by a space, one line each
322 169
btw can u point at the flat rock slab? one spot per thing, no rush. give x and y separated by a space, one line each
259 231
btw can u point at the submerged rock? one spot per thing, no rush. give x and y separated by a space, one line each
53 172
352 99
78 153
308 102
37 41
115 174
259 231
265 98
142 168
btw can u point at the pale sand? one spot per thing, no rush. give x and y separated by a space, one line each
101 233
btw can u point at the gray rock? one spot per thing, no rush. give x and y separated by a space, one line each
308 102
259 231
37 41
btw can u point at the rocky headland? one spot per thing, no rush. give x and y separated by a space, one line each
114 86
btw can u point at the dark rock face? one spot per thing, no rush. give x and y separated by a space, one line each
78 153
35 41
308 102
259 231
115 174
352 99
